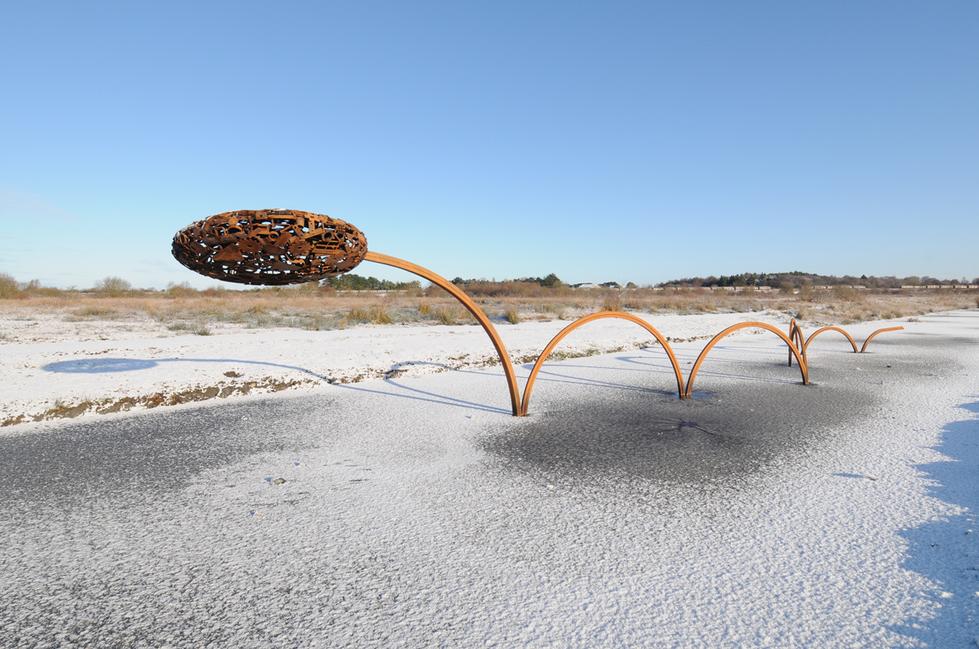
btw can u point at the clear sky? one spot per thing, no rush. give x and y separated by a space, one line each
601 141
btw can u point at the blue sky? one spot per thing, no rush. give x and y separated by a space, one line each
629 141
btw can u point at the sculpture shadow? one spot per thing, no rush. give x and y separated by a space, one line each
644 361
423 395
943 550
550 376
108 365
554 377
639 446
114 365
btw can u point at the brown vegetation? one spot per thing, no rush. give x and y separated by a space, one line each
112 405
182 309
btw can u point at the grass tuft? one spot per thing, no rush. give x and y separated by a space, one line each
611 302
373 314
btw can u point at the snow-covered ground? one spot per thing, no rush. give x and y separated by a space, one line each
414 511
56 375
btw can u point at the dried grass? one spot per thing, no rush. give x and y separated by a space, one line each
611 302
180 309
373 314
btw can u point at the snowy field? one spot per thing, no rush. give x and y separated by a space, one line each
107 367
412 510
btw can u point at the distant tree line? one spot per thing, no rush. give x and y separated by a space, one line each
549 281
351 282
798 279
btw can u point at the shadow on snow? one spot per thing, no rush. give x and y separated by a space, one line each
946 550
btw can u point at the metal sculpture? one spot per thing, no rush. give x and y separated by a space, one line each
795 333
874 334
813 335
529 385
278 247
745 325
472 307
272 247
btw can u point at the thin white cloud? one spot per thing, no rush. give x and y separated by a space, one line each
23 205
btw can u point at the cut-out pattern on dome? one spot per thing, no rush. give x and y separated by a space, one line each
271 247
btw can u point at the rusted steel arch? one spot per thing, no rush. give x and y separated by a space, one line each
795 333
472 307
529 386
808 342
874 334
803 368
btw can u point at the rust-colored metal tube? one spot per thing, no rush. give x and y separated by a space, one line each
849 338
803 368
795 333
471 306
529 385
874 334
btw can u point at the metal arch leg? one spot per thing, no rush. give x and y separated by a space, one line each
809 340
472 307
803 368
874 334
529 385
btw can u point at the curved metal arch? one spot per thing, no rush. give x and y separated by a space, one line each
874 334
529 385
795 333
745 325
472 307
808 342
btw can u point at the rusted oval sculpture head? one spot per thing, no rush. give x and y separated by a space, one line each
272 247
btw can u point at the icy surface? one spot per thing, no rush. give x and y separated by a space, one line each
415 511
56 371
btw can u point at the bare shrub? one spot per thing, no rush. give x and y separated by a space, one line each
34 288
611 302
309 288
180 290
8 287
512 316
846 293
95 312
113 286
806 292
802 313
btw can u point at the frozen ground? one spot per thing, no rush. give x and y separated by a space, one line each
52 373
414 511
